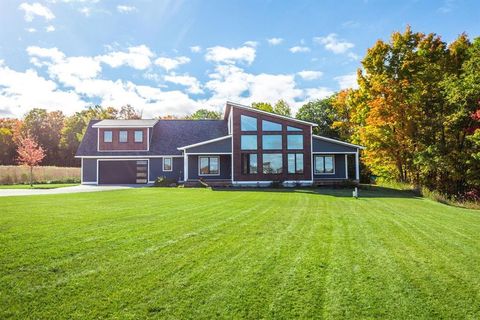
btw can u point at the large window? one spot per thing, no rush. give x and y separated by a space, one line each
324 165
289 128
167 164
138 136
271 142
271 126
295 142
249 163
107 136
248 142
209 166
123 136
272 163
295 162
248 123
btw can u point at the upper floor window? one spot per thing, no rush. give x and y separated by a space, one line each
248 142
249 163
271 126
290 128
295 162
122 136
272 163
167 164
107 136
139 136
294 141
324 165
209 166
248 123
271 142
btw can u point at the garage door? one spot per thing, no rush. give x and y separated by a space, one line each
122 171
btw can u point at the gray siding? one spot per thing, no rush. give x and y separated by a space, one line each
320 145
156 169
89 169
339 168
221 146
225 168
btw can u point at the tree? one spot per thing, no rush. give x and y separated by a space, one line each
8 130
322 113
264 106
202 114
29 153
282 108
127 112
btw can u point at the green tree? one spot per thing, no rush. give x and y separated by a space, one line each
322 113
202 114
264 106
282 108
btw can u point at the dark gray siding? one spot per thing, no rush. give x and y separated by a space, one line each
339 169
225 168
221 146
156 169
89 168
320 145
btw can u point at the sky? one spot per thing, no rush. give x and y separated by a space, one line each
174 57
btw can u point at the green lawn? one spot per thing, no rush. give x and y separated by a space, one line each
37 186
197 253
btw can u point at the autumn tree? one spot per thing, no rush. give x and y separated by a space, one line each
29 153
9 128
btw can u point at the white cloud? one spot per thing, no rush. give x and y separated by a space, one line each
333 44
171 63
136 57
274 41
50 28
192 83
31 30
126 9
298 49
317 93
253 44
51 53
347 81
86 11
36 9
309 74
195 49
230 55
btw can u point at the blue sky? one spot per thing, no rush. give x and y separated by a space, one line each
173 57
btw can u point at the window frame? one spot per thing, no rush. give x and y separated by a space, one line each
272 135
111 136
272 122
263 163
120 136
171 164
208 174
250 130
315 171
293 135
249 135
243 157
295 162
135 136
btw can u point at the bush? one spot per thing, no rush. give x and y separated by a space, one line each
21 174
165 182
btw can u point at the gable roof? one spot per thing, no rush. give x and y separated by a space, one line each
111 123
337 141
231 105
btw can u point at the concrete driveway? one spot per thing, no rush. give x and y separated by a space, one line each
74 189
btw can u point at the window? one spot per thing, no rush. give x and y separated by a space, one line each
209 166
289 128
138 136
272 163
249 163
272 142
123 136
271 126
167 164
295 162
248 142
248 123
324 164
295 141
107 136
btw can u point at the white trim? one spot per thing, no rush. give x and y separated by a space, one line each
324 173
143 136
209 174
237 105
357 167
127 159
311 152
81 171
346 166
163 164
132 156
343 152
120 134
98 139
120 126
185 167
298 181
204 142
148 139
231 157
337 141
90 182
208 153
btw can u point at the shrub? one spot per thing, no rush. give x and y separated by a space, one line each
163 181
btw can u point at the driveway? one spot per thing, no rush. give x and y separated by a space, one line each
74 189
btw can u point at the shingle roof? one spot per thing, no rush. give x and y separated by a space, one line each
166 137
126 123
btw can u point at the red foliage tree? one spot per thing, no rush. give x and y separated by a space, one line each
29 153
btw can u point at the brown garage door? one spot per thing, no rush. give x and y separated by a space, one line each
122 171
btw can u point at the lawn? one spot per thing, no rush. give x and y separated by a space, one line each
197 253
38 186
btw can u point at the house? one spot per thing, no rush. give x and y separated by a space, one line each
247 147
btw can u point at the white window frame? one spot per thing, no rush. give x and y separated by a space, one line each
111 136
208 174
120 135
315 164
135 136
163 164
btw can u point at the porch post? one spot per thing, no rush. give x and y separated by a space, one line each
185 167
357 167
346 166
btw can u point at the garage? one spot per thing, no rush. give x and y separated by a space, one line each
122 171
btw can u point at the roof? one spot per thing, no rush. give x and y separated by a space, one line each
125 123
230 104
337 141
166 136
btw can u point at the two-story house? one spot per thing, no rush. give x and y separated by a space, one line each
246 147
